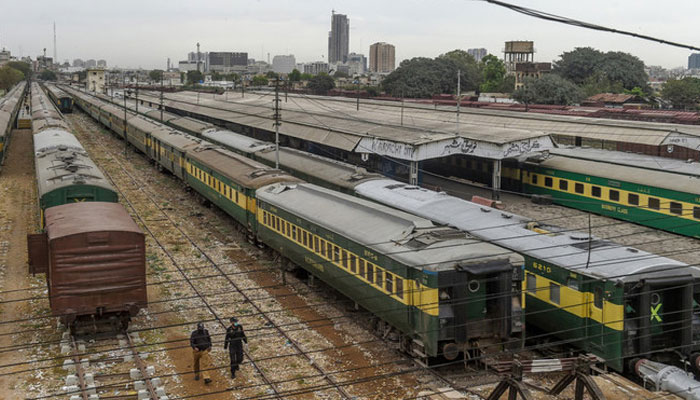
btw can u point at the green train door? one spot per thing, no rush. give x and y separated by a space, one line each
594 324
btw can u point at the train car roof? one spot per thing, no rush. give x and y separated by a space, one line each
411 240
663 164
236 141
60 169
58 92
665 179
79 218
238 168
52 139
175 138
569 250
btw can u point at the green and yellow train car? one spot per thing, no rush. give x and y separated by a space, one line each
9 108
617 302
652 191
443 290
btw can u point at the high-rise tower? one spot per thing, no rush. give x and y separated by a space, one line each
338 38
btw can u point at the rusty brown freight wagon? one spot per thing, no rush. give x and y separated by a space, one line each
93 255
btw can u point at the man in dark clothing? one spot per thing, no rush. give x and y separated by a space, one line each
200 341
234 343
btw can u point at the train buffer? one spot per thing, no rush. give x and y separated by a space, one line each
579 373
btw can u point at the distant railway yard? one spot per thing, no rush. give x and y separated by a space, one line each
349 284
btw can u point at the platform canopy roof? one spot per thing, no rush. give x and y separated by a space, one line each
376 129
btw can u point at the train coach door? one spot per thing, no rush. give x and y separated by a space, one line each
594 321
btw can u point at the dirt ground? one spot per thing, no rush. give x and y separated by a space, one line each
17 218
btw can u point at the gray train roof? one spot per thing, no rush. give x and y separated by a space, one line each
644 161
60 169
52 139
566 249
336 172
411 240
664 178
58 92
236 141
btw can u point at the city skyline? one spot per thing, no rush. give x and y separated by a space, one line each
277 29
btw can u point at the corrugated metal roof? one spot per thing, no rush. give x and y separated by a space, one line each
339 125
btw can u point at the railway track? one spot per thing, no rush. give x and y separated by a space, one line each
155 220
127 364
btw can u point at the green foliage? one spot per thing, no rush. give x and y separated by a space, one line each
259 80
294 76
682 93
22 67
156 75
424 77
493 72
216 76
306 77
549 89
636 91
599 72
321 84
9 77
193 77
272 75
47 75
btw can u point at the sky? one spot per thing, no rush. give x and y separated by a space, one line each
145 33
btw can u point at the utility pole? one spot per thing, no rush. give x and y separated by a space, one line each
126 142
243 87
161 97
137 93
357 82
459 96
278 121
401 107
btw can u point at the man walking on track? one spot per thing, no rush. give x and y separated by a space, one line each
200 341
234 343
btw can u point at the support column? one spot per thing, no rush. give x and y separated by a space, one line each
413 174
496 180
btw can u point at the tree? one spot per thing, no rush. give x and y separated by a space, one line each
194 77
47 75
272 75
493 72
156 75
425 77
321 84
259 80
216 76
9 77
599 72
682 93
549 89
295 75
306 77
21 66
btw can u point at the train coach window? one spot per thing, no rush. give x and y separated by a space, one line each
572 283
598 297
596 191
345 259
285 226
534 179
265 217
329 250
305 238
380 278
696 212
676 208
353 263
336 254
399 287
633 199
361 271
531 284
578 188
654 203
294 233
614 195
317 247
389 282
554 292
548 181
563 184
370 272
